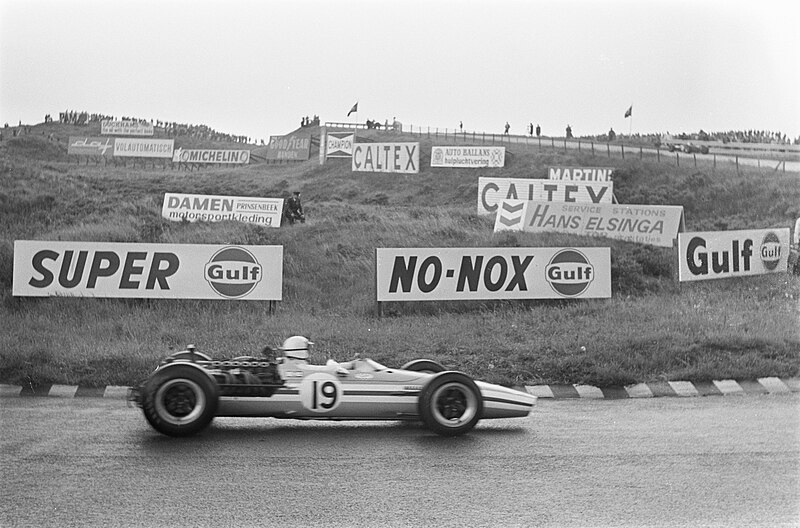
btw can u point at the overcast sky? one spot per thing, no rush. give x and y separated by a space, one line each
256 67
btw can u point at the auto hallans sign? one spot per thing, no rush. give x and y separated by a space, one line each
468 157
723 254
438 274
151 271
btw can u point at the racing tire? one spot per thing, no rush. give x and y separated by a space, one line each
180 400
450 404
424 365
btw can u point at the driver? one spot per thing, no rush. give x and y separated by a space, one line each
296 351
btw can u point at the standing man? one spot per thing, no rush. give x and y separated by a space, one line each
507 127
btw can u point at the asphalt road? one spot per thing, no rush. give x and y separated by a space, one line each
713 461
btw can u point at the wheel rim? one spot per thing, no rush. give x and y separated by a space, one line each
180 401
454 404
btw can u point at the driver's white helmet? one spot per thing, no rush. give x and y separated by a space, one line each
296 347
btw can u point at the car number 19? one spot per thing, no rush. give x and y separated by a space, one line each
320 392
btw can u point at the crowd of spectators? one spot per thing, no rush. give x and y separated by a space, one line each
168 128
732 136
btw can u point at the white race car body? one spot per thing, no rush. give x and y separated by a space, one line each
187 390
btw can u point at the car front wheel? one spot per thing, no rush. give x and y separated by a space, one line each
450 404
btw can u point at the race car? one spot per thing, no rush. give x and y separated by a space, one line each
188 389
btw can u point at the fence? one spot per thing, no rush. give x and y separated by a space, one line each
746 154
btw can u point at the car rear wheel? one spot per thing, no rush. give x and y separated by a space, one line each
180 400
450 404
424 365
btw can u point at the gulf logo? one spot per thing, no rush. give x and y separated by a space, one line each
233 272
770 251
569 272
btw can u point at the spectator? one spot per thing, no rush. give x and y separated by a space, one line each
294 209
569 132
507 127
538 131
612 135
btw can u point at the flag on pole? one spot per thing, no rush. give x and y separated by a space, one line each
629 111
354 109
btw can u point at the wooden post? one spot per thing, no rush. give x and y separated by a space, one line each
623 150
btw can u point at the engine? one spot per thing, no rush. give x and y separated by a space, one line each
245 376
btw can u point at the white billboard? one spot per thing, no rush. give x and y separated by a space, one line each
580 173
206 208
240 157
438 274
492 191
386 157
143 148
339 144
657 225
152 271
468 157
126 128
722 254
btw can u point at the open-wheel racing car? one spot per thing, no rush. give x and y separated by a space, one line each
188 389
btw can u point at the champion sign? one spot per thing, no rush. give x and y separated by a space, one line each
152 271
419 274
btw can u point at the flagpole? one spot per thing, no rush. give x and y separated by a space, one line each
630 125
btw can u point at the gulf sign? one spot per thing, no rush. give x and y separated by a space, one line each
143 148
386 157
239 157
439 274
597 174
90 146
204 208
492 191
722 254
468 157
147 271
657 225
125 128
339 144
291 147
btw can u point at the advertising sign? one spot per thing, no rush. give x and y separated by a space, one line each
599 174
340 144
438 274
240 157
722 254
468 157
147 271
125 128
386 157
90 146
291 147
143 148
657 225
492 191
198 207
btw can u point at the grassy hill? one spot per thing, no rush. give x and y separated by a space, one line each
651 329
